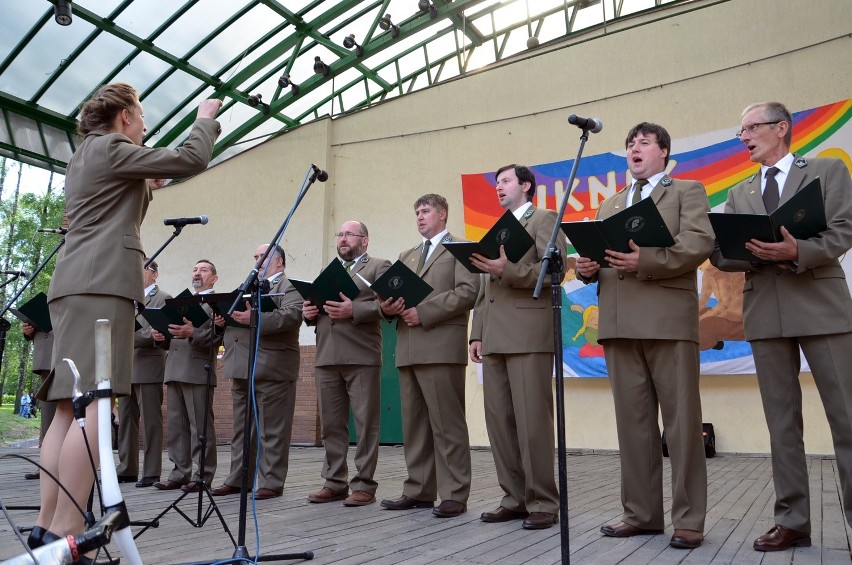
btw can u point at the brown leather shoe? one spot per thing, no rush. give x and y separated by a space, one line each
450 509
325 494
406 503
359 498
264 493
191 487
539 521
686 539
503 514
224 490
168 485
622 530
780 538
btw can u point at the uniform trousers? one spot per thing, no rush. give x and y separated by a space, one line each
340 387
437 445
778 362
276 403
186 407
518 390
145 401
649 377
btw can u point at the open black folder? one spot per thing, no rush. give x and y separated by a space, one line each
35 312
507 232
401 282
221 302
327 286
803 215
641 222
175 310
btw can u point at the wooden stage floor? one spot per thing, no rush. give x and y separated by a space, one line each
740 508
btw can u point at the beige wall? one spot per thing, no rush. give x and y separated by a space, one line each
691 68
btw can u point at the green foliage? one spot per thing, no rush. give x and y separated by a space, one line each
22 247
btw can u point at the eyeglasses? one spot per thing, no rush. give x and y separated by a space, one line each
347 235
753 127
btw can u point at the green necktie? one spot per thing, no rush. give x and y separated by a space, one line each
637 191
348 265
423 254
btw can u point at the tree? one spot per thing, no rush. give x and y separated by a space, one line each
24 247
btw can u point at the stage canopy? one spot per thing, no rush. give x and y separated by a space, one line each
276 64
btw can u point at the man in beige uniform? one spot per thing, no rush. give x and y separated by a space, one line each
348 373
276 373
431 354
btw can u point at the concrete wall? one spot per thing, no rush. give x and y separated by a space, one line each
692 68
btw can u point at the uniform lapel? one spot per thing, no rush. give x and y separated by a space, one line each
753 195
794 181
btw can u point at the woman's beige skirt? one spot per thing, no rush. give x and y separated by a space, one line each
73 318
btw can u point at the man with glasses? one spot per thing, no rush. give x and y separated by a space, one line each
348 370
146 396
796 297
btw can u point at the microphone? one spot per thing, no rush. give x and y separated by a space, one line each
20 273
185 221
592 125
322 176
61 231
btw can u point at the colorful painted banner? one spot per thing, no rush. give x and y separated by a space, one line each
718 160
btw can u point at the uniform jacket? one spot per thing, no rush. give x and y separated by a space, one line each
660 301
278 356
441 336
812 298
106 197
506 318
357 340
187 357
149 361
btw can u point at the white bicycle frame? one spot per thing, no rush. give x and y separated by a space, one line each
60 551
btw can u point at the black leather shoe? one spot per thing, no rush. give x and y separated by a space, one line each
406 503
539 521
147 482
127 478
450 509
32 476
503 514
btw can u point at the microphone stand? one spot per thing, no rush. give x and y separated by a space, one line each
255 287
178 228
552 263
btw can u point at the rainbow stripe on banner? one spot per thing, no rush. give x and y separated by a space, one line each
717 159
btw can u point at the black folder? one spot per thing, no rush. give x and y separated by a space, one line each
35 312
188 305
803 215
401 282
327 286
641 222
507 232
160 318
222 303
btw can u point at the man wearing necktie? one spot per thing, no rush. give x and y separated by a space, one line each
348 373
512 336
146 396
649 329
431 354
796 298
276 373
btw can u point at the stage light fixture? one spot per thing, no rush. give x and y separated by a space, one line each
349 42
426 6
255 100
386 24
532 42
321 68
62 12
284 81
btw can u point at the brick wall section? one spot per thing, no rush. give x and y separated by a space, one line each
306 427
